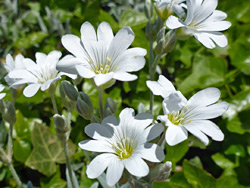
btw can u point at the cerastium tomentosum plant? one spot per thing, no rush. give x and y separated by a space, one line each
128 150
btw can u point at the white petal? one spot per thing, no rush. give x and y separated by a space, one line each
131 64
153 131
95 145
10 65
207 8
212 111
204 39
131 60
97 131
174 22
105 33
175 135
124 76
40 58
114 171
173 103
218 38
162 87
73 44
29 63
163 118
31 90
84 72
204 97
127 113
209 128
2 95
68 63
136 166
1 87
196 132
22 74
47 84
152 152
143 120
101 79
214 26
191 6
98 165
87 33
121 42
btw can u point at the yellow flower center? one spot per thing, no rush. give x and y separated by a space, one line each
102 68
124 148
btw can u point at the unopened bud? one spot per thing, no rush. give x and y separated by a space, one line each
162 172
110 103
9 113
67 102
170 41
163 10
62 126
69 90
141 108
148 8
134 183
84 106
149 32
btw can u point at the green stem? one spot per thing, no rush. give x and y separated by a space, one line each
52 96
10 145
100 103
68 165
8 158
15 176
229 91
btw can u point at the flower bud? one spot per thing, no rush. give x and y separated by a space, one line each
162 172
9 112
62 126
69 90
84 106
141 108
110 103
170 41
69 104
163 10
148 8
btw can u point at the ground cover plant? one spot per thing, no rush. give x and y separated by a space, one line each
135 93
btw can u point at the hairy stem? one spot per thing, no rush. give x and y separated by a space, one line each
100 103
68 164
52 96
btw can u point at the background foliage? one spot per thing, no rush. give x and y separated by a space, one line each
30 26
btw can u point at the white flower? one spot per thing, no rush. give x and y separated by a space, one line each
102 56
2 95
181 115
167 7
123 144
203 22
11 65
38 75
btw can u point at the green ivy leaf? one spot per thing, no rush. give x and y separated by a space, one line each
197 177
21 150
206 72
47 151
237 150
54 181
175 153
222 161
